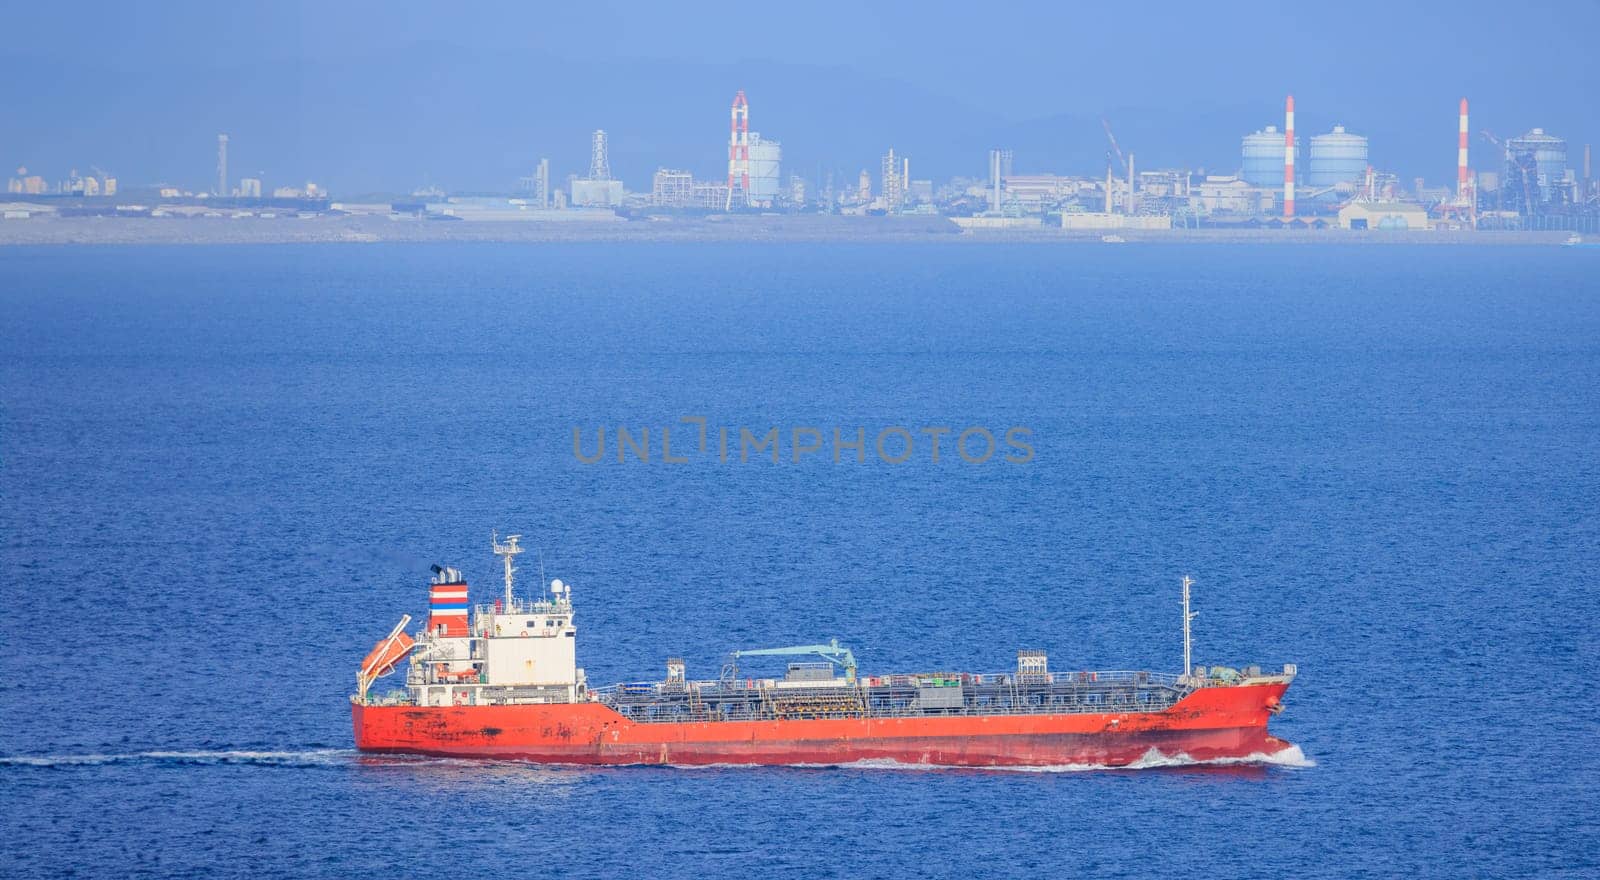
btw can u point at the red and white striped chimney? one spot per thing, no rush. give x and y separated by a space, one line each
1288 158
739 149
447 603
1462 175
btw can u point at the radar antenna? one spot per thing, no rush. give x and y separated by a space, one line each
1188 641
508 552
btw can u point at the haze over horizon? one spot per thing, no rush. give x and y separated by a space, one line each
372 96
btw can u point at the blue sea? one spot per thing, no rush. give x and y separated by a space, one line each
226 470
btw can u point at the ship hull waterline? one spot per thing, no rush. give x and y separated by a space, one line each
1209 724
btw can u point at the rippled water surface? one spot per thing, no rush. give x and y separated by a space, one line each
225 470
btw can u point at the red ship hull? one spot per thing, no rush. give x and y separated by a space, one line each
1209 724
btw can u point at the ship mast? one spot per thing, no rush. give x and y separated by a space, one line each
1188 641
508 552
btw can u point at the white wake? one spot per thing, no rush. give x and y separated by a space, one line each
1291 757
301 758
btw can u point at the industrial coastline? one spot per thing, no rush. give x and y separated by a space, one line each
71 231
1288 186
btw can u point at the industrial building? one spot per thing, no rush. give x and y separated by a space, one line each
797 191
1536 169
309 191
710 194
1036 192
1396 216
895 172
671 189
26 184
537 184
675 189
1164 184
597 190
1219 194
97 184
596 193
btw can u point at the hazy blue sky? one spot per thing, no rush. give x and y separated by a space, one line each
389 94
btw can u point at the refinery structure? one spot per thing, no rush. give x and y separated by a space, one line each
1284 178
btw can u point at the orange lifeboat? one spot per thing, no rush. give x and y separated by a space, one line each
386 653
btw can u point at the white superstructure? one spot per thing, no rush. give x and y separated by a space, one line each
511 651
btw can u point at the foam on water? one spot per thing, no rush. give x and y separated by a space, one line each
293 758
1291 756
1153 759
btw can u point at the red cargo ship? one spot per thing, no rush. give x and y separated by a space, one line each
503 682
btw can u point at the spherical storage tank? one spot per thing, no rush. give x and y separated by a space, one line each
1337 157
1263 157
766 158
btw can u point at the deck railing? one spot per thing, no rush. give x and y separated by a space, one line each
900 696
1091 677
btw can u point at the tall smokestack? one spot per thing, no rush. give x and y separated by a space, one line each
1288 158
1462 182
994 173
739 149
994 178
1128 208
222 165
1108 184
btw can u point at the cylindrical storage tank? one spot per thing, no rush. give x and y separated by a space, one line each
1337 157
1263 157
1549 157
766 159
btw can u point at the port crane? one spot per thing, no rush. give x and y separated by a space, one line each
1122 162
833 652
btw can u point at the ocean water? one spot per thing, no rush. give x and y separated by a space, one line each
225 470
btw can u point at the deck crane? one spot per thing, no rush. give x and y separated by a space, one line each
833 652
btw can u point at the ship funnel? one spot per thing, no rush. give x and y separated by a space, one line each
447 603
